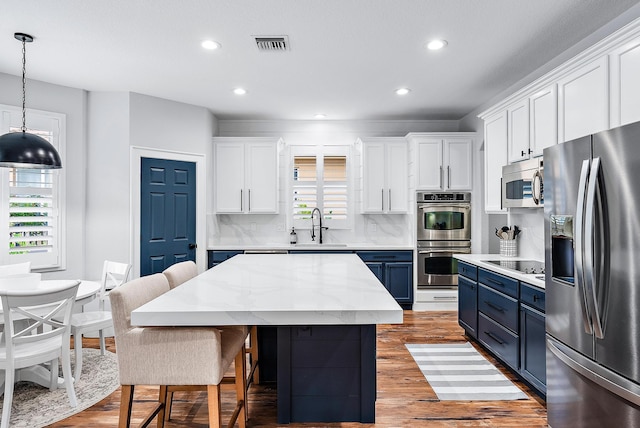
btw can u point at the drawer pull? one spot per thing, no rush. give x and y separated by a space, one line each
496 307
535 297
495 281
445 297
494 337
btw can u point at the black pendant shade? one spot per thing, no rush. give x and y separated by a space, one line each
24 150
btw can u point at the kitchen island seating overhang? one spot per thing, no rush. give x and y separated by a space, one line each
324 305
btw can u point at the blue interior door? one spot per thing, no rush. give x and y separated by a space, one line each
167 214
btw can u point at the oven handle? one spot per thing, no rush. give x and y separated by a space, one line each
449 250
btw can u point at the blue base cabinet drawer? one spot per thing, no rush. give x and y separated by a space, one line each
502 309
532 296
216 257
470 271
502 342
504 284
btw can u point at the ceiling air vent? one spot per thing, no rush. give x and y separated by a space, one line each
272 43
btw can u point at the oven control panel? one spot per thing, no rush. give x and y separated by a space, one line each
443 197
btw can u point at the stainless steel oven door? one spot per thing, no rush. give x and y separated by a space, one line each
437 267
444 221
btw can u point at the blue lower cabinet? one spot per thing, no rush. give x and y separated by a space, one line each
468 305
533 366
215 257
394 269
504 343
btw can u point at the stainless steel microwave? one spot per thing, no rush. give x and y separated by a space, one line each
523 184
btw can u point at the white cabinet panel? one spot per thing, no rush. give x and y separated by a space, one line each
518 137
262 183
544 120
583 101
229 177
385 172
495 157
457 158
430 168
625 84
246 175
444 160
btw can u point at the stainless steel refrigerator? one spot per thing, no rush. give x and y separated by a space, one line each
592 255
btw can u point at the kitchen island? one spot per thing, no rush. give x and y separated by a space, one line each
325 308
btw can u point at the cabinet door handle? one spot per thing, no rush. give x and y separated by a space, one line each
389 205
496 307
240 199
494 337
382 199
522 153
441 172
448 177
249 200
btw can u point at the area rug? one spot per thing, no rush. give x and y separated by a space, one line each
35 406
459 372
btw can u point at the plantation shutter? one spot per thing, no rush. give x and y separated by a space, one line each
32 214
305 188
334 189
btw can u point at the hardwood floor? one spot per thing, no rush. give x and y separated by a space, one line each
405 399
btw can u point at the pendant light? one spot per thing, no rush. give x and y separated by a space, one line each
22 149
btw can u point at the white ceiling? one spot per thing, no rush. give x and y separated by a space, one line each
346 59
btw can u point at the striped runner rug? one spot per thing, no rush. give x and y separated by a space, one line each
459 372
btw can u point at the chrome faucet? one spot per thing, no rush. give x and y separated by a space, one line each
320 227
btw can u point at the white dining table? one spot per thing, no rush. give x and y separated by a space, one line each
87 291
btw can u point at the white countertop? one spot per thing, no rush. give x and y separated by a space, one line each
314 247
481 261
276 289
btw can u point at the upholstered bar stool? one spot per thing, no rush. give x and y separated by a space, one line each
175 358
181 272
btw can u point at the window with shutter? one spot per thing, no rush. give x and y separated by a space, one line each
320 180
30 222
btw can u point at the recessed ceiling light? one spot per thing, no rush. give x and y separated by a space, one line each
211 45
320 116
434 45
239 91
402 91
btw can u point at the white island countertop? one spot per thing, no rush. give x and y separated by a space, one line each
481 260
276 289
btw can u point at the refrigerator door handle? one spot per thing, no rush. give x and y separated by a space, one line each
579 245
589 259
591 370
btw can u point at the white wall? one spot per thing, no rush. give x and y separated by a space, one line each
238 230
72 103
117 122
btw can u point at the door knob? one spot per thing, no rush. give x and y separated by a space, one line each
193 246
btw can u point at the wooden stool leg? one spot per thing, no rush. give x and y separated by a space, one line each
253 353
241 387
215 409
162 399
168 403
126 401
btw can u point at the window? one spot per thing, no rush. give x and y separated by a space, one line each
320 180
30 219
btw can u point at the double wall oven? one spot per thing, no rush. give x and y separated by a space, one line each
444 229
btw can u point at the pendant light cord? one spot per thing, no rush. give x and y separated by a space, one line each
24 85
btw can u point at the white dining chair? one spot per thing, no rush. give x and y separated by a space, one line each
15 269
43 340
114 274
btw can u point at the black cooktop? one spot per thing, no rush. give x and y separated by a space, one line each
524 266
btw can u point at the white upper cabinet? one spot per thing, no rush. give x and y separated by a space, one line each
246 175
583 100
518 131
495 157
543 124
444 160
385 172
625 83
